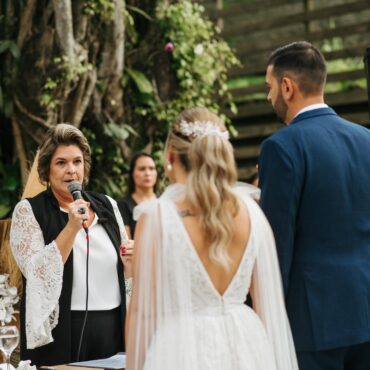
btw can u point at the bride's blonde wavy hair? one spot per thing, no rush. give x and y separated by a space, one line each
209 161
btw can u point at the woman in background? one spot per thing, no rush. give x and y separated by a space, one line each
141 187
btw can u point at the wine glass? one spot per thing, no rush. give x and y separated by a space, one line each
9 338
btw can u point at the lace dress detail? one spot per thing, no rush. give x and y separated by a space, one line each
228 334
42 266
183 322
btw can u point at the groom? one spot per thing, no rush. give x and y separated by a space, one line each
315 182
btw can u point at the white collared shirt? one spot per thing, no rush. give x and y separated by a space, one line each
104 292
311 107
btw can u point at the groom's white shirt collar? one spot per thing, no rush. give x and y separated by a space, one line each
312 107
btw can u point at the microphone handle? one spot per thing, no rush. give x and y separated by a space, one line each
77 195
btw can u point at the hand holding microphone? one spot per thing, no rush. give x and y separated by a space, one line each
78 208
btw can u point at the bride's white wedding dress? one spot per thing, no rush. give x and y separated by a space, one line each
181 322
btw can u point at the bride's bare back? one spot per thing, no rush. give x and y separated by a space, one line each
219 276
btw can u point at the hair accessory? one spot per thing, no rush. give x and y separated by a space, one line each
202 128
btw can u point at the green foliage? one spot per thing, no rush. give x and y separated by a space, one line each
66 72
11 46
104 9
6 103
197 76
141 81
200 60
245 81
108 164
6 80
342 65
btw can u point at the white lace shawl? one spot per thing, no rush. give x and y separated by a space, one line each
163 290
42 266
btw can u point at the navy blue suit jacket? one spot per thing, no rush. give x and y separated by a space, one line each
315 182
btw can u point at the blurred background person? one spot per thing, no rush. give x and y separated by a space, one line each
142 181
49 240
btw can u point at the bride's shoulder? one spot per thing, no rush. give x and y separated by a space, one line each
247 191
147 207
151 207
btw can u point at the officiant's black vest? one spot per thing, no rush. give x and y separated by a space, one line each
52 220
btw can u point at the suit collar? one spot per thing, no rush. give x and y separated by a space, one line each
313 113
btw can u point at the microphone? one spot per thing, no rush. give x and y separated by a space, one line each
75 188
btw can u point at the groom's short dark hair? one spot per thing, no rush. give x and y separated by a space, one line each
303 62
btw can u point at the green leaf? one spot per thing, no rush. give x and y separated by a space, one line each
130 130
10 183
139 11
146 100
120 132
14 49
8 108
140 80
4 45
124 80
112 129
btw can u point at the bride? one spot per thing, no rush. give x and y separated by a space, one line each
200 248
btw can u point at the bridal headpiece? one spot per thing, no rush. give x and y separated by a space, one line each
201 128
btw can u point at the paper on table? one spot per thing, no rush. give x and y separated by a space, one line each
116 362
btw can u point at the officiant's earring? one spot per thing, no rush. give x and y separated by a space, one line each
169 167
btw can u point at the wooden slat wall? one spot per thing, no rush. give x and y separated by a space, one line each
254 28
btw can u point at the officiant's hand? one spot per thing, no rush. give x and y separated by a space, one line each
126 250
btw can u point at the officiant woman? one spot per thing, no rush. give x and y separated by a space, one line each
73 305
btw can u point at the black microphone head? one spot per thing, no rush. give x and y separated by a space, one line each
74 186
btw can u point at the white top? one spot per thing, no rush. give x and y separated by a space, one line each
104 293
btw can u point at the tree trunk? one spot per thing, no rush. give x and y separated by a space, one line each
20 150
26 22
111 69
63 24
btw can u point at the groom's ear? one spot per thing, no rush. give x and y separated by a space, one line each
287 88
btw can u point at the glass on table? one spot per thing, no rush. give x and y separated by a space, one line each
9 339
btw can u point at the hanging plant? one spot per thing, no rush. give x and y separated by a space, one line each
200 60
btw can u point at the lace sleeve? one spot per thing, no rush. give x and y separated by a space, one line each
42 266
